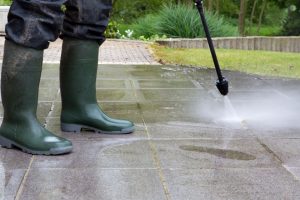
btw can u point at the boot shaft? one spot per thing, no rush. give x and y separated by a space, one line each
20 78
78 72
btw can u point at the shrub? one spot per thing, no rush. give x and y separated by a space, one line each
146 26
182 21
112 30
292 24
129 11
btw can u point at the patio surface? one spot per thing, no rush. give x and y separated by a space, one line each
190 142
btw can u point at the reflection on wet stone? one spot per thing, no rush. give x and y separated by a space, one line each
223 153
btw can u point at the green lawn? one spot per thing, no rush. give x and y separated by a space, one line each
254 62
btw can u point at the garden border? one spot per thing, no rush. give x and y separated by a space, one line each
282 44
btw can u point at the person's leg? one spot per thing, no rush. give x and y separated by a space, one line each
83 32
31 24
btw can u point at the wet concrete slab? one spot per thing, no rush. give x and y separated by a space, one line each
14 159
287 150
210 154
142 72
102 153
295 171
93 183
175 84
48 94
172 94
189 143
188 130
13 180
235 184
197 112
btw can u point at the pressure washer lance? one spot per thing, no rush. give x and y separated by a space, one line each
222 83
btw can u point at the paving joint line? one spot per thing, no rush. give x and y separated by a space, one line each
48 117
24 179
153 150
277 158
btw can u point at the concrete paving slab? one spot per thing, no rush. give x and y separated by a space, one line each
141 72
11 159
50 72
173 94
48 94
163 116
276 133
295 171
113 84
248 83
178 84
287 150
184 130
190 111
289 87
49 83
235 184
101 184
210 154
190 141
102 153
115 95
13 179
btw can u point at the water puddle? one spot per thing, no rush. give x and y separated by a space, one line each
223 153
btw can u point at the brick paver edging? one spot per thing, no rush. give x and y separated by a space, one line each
123 52
282 44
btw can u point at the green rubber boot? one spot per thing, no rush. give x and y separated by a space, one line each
21 71
78 73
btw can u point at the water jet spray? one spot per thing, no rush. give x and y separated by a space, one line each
222 83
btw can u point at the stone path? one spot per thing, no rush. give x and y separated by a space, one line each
190 142
125 52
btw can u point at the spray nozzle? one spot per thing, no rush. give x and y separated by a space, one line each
222 86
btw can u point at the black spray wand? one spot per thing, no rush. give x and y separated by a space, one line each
222 83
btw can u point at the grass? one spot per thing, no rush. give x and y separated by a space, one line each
265 31
253 62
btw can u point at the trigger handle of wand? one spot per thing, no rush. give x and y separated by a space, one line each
199 5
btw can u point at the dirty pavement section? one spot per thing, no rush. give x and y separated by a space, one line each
190 143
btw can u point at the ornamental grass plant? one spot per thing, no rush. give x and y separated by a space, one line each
182 21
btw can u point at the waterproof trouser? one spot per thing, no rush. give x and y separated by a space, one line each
33 23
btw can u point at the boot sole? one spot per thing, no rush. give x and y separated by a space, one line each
77 128
6 143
